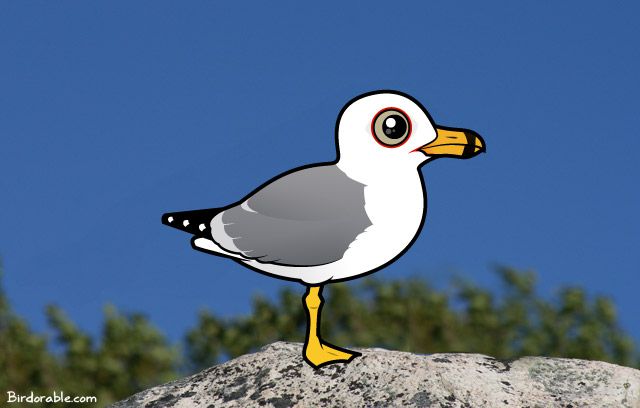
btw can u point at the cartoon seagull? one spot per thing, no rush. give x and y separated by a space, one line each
340 220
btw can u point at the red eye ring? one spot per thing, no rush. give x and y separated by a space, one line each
373 131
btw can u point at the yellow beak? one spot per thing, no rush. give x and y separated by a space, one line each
456 143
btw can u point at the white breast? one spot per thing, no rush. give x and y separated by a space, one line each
396 211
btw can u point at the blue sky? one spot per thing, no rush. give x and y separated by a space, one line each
113 113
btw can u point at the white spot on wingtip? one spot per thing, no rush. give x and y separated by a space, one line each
201 227
170 219
185 222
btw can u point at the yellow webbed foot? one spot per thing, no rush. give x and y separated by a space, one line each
317 352
320 354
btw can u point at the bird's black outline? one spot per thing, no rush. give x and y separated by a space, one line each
213 211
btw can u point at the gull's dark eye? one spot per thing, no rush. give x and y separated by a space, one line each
391 127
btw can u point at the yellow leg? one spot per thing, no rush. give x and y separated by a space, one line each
317 352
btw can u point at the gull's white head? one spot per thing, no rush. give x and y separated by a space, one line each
386 132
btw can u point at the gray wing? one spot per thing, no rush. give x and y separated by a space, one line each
306 218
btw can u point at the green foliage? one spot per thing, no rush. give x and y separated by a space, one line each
410 315
132 355
25 362
214 339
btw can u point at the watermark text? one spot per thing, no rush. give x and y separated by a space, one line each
56 397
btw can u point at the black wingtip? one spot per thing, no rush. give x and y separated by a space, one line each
175 221
171 220
165 219
196 222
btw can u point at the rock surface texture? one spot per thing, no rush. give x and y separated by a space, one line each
277 376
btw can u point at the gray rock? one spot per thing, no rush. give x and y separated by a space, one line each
276 376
